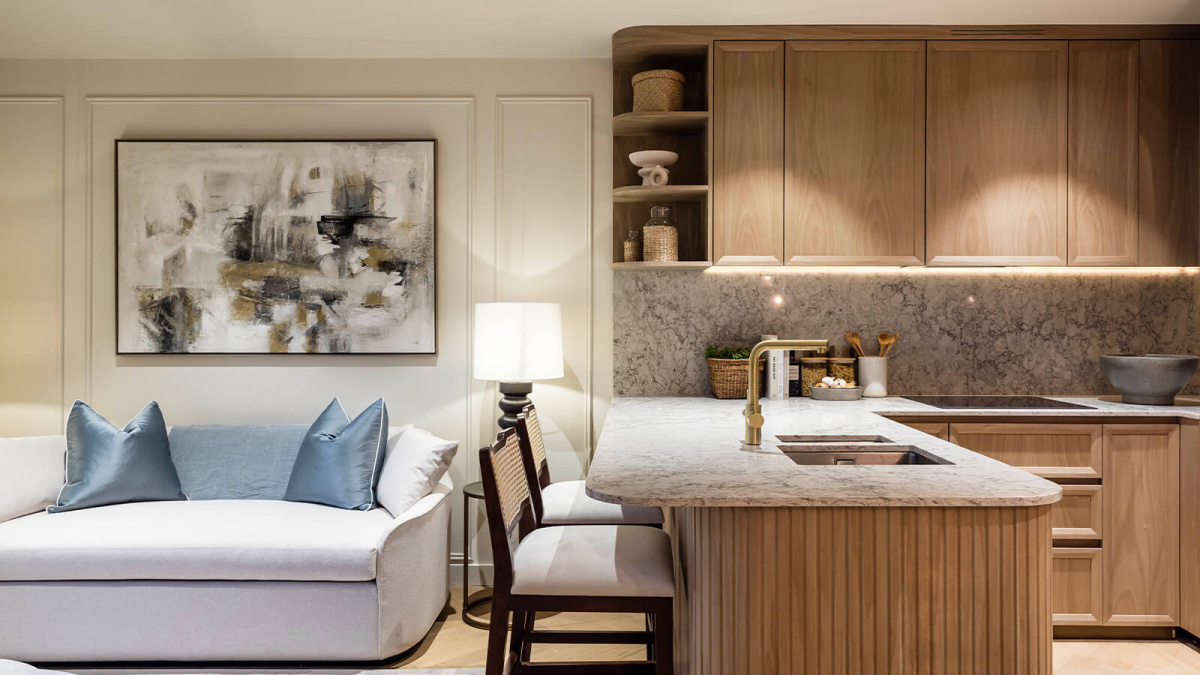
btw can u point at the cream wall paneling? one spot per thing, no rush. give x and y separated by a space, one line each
455 101
31 219
435 391
544 251
232 389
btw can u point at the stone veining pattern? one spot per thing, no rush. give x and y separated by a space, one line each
688 452
961 331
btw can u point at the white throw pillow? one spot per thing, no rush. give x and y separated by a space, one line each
414 462
31 474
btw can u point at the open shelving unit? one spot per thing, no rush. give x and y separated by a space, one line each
684 132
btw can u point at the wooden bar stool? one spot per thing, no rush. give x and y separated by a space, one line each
567 502
582 568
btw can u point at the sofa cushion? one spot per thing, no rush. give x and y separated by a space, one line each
340 459
201 540
107 465
235 462
31 474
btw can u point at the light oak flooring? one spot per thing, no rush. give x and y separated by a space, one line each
453 644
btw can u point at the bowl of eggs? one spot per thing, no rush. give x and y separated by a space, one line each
835 389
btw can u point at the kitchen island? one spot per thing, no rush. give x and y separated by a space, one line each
789 568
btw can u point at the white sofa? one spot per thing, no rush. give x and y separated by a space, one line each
236 575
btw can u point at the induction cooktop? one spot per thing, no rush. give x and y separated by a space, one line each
996 402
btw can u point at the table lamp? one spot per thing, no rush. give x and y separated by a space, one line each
516 343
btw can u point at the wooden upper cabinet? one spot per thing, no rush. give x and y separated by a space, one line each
1169 153
996 165
747 153
854 153
1102 182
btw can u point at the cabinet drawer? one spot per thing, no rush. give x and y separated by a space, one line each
1076 586
1055 451
1080 514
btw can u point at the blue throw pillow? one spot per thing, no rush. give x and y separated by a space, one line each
339 460
107 465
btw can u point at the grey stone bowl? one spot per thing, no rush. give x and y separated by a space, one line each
1149 379
831 394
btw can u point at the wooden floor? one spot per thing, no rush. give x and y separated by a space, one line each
453 644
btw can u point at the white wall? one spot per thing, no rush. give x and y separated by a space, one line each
522 154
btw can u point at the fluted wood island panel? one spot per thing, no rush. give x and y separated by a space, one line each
863 590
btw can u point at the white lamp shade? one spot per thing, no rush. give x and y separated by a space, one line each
518 341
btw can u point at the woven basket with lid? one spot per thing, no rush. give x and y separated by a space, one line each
658 91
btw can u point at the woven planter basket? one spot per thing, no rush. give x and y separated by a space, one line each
657 91
660 243
729 378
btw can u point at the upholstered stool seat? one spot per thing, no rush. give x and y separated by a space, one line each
576 568
567 503
594 560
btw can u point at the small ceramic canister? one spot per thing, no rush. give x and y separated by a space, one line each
872 376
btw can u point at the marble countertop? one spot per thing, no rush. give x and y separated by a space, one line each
688 452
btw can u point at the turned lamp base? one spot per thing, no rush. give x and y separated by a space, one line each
516 397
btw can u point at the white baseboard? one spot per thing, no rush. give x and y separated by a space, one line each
479 574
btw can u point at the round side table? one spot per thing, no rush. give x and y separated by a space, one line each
471 491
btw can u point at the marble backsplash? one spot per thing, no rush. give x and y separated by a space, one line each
996 331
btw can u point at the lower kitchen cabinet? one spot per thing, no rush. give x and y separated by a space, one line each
1141 525
1053 451
1123 494
936 429
1077 586
1189 526
1080 513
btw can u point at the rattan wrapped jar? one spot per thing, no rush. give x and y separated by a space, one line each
658 91
660 237
633 247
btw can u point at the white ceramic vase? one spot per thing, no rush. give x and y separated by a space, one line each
872 376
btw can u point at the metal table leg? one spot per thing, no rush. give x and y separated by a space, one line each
484 596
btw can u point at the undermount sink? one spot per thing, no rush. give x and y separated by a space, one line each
851 450
895 455
828 439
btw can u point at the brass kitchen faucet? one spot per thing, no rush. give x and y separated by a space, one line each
753 411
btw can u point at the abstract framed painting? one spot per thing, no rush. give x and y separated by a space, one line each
276 247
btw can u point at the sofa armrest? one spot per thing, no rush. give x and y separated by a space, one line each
31 474
413 571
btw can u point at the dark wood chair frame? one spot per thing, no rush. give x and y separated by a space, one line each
537 473
524 608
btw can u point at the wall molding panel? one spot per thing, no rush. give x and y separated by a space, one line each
32 198
75 110
544 159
